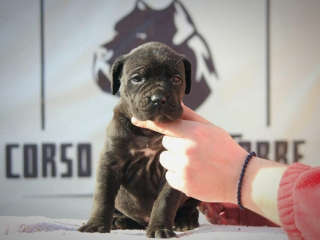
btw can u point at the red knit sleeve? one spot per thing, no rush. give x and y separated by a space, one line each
299 202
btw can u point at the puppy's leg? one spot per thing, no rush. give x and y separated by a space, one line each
163 213
187 217
107 186
121 221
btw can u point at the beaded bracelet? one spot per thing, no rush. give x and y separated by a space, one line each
241 178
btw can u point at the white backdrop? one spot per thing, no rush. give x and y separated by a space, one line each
77 111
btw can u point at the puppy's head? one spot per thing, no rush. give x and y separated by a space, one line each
153 80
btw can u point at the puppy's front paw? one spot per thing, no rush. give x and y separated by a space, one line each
123 222
160 233
186 223
95 227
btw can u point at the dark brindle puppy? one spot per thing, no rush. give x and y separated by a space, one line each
131 190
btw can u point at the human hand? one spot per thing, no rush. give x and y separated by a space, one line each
203 161
230 214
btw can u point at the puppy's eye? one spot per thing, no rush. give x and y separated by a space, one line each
136 79
176 79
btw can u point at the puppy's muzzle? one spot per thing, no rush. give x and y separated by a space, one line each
159 106
158 100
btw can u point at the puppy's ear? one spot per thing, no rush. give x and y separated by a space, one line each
116 73
187 69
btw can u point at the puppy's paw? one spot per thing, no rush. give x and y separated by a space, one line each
123 222
186 223
94 227
160 233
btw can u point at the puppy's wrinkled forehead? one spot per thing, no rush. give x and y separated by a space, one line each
161 60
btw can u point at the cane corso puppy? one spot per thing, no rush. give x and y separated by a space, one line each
131 190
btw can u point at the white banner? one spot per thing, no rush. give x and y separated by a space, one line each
256 74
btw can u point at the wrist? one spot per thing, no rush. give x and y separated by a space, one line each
237 161
243 171
260 187
248 180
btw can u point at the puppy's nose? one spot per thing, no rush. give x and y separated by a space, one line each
158 99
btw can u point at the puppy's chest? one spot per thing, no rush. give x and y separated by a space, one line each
146 153
146 146
144 158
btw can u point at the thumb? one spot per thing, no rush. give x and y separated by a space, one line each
177 128
190 115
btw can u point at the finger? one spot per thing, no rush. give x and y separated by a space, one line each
225 220
177 128
222 220
176 145
174 181
203 207
233 213
208 208
212 212
189 114
169 142
168 161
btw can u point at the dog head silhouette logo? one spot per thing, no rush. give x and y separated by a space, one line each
172 26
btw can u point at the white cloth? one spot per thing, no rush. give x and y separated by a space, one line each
46 229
